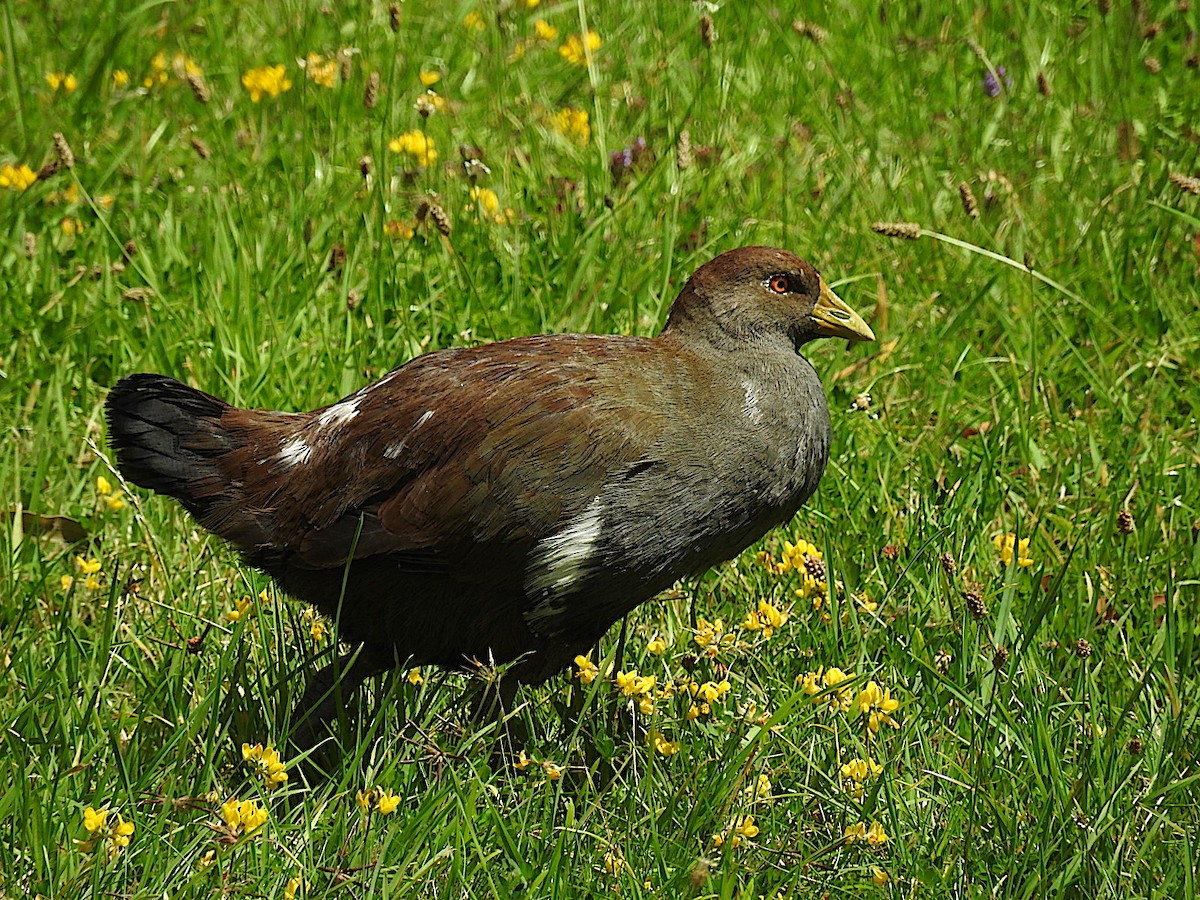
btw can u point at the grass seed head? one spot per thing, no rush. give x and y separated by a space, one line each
909 231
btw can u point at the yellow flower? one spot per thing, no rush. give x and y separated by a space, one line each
523 762
94 819
87 566
576 51
532 4
874 835
544 30
295 883
429 78
553 771
93 583
879 877
474 21
712 691
417 145
662 745
762 787
387 802
242 816
877 704
767 618
16 178
1006 543
65 582
588 670
415 677
822 686
614 863
62 80
120 78
72 226
266 80
103 487
265 762
656 647
317 626
113 837
486 198
572 124
239 611
320 70
741 827
402 231
646 706
694 712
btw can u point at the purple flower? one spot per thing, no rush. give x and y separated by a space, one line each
995 82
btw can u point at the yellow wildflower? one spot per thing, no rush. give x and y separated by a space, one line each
694 712
1005 544
112 837
103 486
712 691
588 670
72 226
614 863
64 81
553 770
93 583
317 626
415 677
387 802
741 827
16 178
473 21
662 745
376 799
523 762
429 78
320 70
266 81
572 124
402 231
873 835
656 647
879 876
877 704
87 566
486 198
762 787
576 49
242 816
767 618
632 684
65 582
544 30
295 883
417 145
822 686
120 78
265 762
240 608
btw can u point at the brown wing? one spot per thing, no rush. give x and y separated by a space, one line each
461 460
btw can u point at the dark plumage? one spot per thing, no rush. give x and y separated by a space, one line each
510 502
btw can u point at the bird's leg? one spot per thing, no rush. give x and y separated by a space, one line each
619 659
327 690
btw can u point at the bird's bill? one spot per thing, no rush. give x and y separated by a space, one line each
835 319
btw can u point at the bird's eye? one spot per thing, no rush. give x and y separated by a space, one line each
780 284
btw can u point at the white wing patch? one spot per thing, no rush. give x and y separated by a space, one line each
295 452
558 562
338 414
750 404
393 451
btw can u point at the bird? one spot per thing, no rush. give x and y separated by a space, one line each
507 503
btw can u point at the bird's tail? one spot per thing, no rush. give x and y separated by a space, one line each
178 441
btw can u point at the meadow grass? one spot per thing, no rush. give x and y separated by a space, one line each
1035 375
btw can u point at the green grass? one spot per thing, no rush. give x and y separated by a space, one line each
1000 402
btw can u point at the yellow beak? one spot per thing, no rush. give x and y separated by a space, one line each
835 319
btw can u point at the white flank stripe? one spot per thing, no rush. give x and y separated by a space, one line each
558 561
295 452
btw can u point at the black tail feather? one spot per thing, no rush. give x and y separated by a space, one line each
167 436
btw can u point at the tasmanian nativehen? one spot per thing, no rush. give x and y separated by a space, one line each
510 502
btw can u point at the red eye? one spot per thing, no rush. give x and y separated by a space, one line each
779 284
